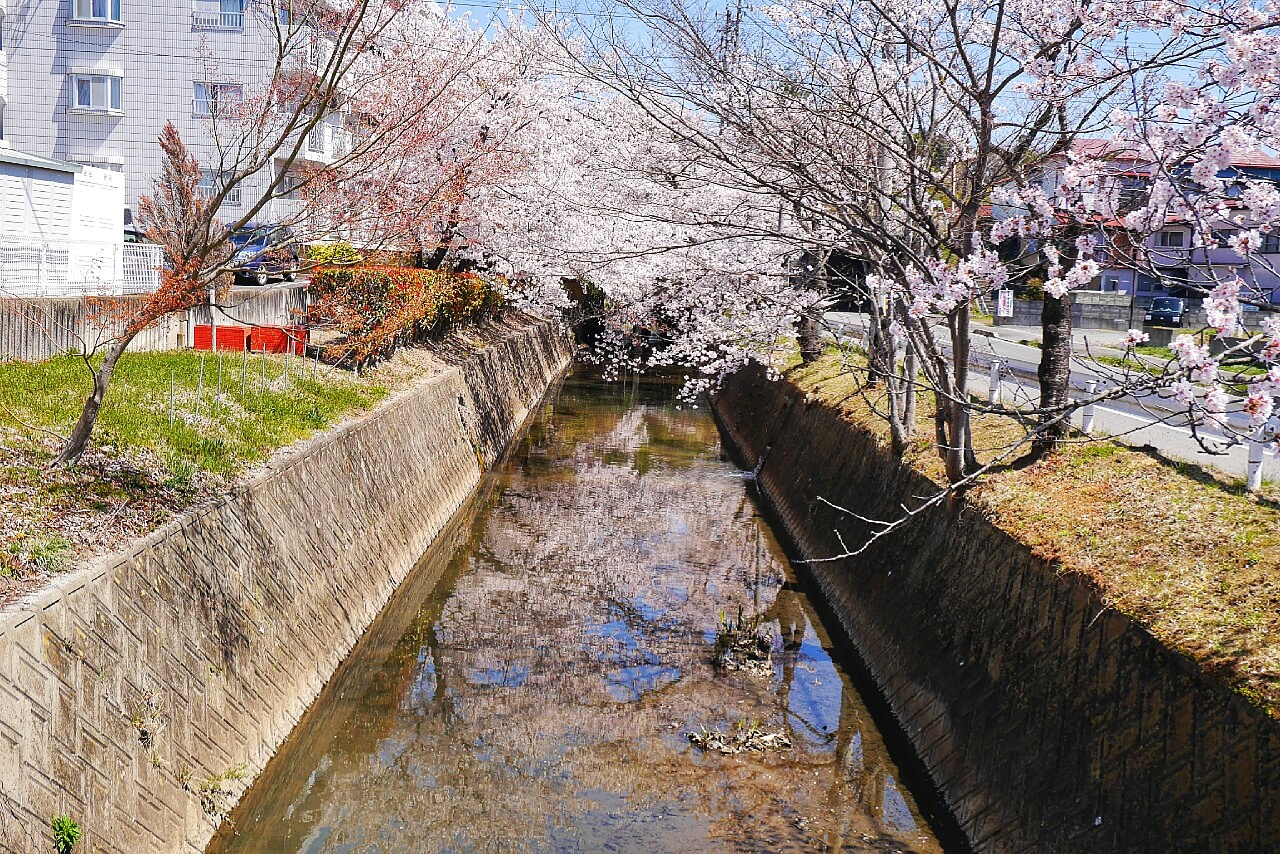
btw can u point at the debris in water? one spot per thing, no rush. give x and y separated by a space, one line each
745 737
744 644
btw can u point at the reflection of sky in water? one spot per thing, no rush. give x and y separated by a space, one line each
542 702
629 684
423 688
511 676
894 810
816 693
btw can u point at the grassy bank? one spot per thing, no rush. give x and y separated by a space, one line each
166 439
1189 554
219 424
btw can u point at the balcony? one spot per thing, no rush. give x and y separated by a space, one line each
217 21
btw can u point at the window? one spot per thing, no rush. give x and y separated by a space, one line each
208 98
1169 239
289 185
1133 192
97 10
98 92
217 15
1270 244
212 182
1222 236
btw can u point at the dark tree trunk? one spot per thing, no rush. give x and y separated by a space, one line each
957 452
1054 371
810 335
879 352
79 439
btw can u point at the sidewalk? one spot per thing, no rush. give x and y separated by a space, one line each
1097 342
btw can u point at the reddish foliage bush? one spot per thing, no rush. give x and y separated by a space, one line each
380 308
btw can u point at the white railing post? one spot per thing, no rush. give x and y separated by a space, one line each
1086 420
994 390
213 320
1256 447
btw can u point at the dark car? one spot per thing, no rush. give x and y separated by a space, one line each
263 251
1166 311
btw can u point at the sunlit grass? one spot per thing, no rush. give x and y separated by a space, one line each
257 410
1187 552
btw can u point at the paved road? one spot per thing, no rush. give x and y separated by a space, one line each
1135 422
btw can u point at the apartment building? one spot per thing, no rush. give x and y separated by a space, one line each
93 82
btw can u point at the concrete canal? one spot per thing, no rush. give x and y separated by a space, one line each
588 659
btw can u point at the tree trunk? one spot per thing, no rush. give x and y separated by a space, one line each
79 439
879 351
909 393
810 335
1054 372
959 458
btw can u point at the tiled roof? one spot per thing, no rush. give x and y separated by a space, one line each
1111 148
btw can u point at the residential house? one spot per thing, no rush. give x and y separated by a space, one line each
1173 261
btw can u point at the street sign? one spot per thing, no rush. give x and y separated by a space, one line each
1004 303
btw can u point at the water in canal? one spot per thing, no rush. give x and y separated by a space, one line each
534 685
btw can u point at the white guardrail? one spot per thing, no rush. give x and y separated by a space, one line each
49 270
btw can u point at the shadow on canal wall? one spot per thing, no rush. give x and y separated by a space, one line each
141 694
1048 721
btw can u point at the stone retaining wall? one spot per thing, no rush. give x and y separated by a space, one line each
131 691
1049 722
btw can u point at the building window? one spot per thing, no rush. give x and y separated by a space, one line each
212 182
1270 244
97 10
97 92
1169 239
290 183
209 98
217 15
1222 237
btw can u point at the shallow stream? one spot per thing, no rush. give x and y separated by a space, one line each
534 685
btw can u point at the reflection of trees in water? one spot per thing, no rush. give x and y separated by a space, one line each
547 697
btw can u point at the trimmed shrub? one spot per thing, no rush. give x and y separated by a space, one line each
325 254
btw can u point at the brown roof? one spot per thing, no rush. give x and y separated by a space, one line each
1096 147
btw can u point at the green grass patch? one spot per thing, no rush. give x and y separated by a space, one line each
257 410
1152 350
144 464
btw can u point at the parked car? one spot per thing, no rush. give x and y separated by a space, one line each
1166 311
263 251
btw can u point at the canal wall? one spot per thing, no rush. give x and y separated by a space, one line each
1048 721
140 695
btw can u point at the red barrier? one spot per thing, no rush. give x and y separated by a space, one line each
279 339
276 339
229 337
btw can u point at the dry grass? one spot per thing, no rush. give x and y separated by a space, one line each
1189 554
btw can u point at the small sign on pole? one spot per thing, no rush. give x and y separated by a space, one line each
1004 303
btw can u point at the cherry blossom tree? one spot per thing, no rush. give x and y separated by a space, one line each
882 130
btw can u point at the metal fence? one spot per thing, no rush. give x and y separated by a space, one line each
51 270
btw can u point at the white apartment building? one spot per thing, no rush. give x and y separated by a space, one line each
93 82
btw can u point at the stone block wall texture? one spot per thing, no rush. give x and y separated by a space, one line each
130 684
1049 722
